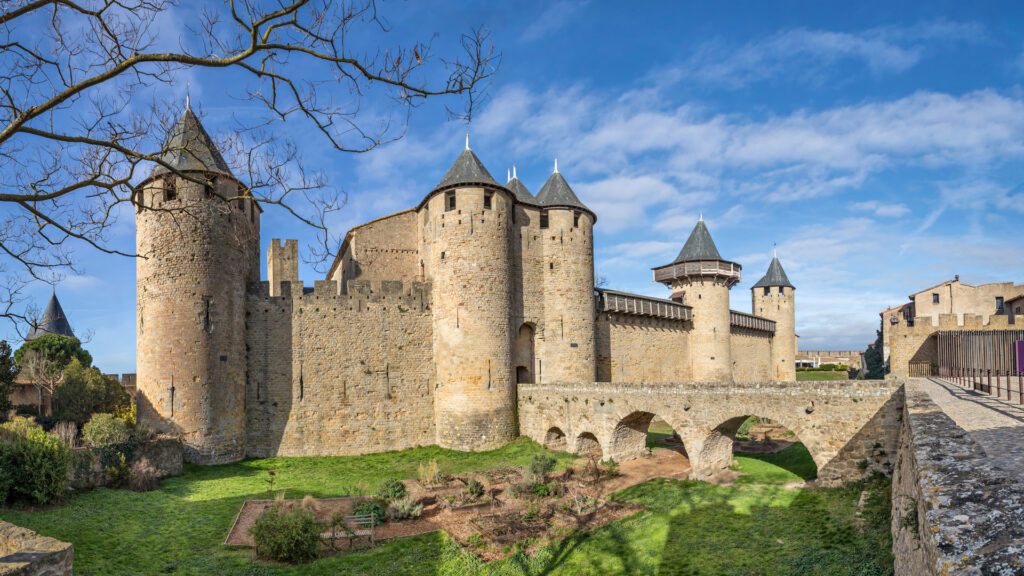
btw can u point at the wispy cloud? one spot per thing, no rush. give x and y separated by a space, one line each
557 15
879 208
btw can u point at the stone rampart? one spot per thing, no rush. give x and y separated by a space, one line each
850 428
336 374
953 512
751 354
25 553
633 348
88 471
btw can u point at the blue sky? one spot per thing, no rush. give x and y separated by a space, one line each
880 145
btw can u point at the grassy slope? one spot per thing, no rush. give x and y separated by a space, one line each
690 528
810 376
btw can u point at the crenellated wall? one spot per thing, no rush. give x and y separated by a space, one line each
332 374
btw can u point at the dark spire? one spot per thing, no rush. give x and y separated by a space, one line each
467 169
517 187
775 276
557 193
190 148
53 321
699 246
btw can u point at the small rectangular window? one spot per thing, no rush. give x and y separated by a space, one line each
487 200
767 290
543 219
449 201
999 304
170 190
208 189
935 298
575 219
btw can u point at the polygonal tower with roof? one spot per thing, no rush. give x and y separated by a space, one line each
467 255
773 297
53 321
567 233
197 235
700 278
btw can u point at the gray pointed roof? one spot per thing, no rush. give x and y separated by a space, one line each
467 169
190 148
699 246
775 276
519 189
54 321
556 192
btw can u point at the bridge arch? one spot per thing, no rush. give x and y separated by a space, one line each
629 437
587 444
714 451
555 440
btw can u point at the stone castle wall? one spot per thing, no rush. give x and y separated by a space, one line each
383 249
528 293
710 348
191 275
913 350
751 355
642 349
779 306
25 553
334 374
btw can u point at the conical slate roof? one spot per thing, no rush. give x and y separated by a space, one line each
53 321
699 246
189 147
517 187
467 169
775 276
556 192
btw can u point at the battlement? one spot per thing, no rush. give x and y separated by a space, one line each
360 293
928 324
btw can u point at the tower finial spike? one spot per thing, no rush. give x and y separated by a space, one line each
556 165
188 103
701 216
775 250
514 171
467 140
508 175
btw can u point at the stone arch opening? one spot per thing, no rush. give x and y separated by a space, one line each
588 445
555 440
523 354
640 431
757 437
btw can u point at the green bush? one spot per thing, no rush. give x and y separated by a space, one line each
391 489
58 349
291 535
540 465
371 507
27 410
8 372
35 464
84 392
474 488
542 490
105 429
405 508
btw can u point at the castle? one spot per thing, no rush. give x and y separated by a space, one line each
427 320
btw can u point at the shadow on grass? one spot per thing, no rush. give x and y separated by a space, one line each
790 464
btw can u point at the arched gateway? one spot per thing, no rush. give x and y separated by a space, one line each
843 425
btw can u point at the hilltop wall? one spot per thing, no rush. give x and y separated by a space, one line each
332 374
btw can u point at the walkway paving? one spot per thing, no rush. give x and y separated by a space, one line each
997 425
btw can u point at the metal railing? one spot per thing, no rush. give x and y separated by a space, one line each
700 268
987 381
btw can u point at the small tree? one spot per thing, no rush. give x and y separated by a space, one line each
874 360
43 361
84 392
8 372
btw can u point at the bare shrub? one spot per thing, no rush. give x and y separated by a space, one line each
143 476
68 432
309 503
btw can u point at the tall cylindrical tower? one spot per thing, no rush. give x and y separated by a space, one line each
773 297
198 243
468 249
702 279
567 234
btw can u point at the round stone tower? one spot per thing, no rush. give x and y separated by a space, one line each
701 279
197 235
467 249
773 298
567 234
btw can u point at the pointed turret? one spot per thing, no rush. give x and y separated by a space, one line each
190 148
556 193
699 246
467 170
53 321
699 257
775 276
516 186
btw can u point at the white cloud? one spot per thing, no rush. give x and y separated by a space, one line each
881 208
557 15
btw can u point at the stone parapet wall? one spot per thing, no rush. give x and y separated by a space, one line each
25 553
953 512
87 471
850 428
633 348
751 355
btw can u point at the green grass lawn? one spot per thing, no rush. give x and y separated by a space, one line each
755 526
811 376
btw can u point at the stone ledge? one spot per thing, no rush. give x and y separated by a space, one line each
953 511
25 553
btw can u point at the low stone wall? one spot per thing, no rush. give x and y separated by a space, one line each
953 512
165 453
25 553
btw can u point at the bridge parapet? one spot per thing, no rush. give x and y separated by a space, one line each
850 428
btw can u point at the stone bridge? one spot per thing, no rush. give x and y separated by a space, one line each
849 427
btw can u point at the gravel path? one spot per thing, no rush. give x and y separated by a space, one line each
997 425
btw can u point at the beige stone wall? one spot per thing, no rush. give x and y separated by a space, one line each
25 553
840 423
334 374
197 253
710 349
642 349
528 287
470 265
751 352
385 249
779 305
958 298
567 352
912 348
282 264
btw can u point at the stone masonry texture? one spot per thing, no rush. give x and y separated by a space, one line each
25 553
